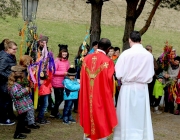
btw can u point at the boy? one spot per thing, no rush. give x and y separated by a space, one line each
71 88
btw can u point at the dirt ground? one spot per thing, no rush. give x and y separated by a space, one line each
166 127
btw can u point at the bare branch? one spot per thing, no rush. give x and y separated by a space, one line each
140 8
148 22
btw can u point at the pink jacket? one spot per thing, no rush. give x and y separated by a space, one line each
62 66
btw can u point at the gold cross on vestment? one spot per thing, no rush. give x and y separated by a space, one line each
106 65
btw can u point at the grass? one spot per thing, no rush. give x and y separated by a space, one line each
66 23
73 34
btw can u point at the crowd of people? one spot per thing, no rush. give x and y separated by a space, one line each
112 92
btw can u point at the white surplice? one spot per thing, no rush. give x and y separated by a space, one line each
135 68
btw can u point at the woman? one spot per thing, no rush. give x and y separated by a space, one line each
62 65
7 60
78 62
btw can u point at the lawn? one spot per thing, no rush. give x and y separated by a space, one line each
73 33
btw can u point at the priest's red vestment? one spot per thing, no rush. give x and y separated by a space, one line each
96 106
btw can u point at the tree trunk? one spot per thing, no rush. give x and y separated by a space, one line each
130 21
95 28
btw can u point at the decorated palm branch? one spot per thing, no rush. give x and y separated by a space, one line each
84 48
44 64
165 58
29 39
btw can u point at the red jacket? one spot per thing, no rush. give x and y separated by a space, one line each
46 86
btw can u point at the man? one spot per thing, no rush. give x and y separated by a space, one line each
117 51
151 85
96 107
135 68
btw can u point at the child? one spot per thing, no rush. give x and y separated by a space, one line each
158 92
21 98
71 88
25 61
44 92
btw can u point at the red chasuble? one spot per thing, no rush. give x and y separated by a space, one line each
96 106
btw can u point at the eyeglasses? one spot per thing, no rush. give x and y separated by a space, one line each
14 49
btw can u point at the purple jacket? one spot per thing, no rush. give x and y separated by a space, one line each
62 66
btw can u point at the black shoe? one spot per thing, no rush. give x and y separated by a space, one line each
42 121
26 130
33 126
20 136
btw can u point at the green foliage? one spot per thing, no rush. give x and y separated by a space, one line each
175 4
9 7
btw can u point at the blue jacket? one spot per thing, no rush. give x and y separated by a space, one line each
6 62
71 88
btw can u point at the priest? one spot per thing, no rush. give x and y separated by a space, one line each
96 107
135 69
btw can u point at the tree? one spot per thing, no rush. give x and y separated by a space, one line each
134 10
9 7
95 28
175 4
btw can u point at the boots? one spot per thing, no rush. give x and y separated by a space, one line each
156 110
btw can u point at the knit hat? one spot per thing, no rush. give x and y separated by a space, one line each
44 38
71 71
63 47
18 68
160 76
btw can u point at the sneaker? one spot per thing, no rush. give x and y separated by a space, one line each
52 116
158 112
66 122
33 126
59 116
72 121
8 122
42 121
20 136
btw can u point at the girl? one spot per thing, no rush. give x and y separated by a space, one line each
25 61
21 98
61 65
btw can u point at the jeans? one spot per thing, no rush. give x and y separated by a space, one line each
30 116
58 93
43 100
67 110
